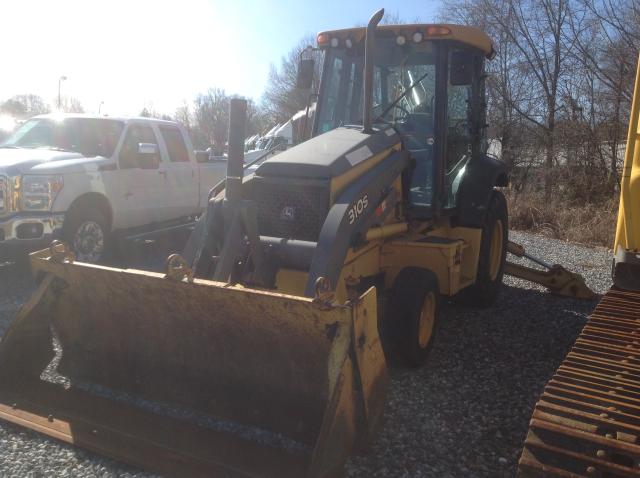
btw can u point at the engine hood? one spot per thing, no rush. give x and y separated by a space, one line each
328 155
22 160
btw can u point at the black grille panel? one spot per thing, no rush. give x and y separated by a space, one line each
291 211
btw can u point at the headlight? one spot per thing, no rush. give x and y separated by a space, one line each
38 192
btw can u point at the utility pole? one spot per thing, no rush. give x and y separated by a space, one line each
60 80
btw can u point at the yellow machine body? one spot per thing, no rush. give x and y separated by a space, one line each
626 273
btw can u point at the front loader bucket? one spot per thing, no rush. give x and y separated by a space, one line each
192 378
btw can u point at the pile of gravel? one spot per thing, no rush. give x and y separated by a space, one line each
465 414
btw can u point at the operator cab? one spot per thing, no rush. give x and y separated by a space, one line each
427 85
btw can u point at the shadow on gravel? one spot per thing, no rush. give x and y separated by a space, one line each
467 411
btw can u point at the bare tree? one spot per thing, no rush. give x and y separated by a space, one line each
70 104
281 98
211 115
24 106
607 40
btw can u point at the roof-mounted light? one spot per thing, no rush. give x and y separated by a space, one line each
401 40
437 31
335 42
417 37
323 39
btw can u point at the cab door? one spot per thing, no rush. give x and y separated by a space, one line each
178 171
140 185
465 119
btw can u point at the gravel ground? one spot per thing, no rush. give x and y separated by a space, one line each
465 414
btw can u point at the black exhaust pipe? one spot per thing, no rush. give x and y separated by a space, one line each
369 43
235 161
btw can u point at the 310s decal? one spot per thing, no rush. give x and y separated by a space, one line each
358 207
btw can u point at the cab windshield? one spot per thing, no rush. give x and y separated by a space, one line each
87 136
404 90
403 84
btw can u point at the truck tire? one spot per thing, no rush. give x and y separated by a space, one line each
86 231
415 306
493 253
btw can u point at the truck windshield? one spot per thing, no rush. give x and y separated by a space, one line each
87 136
404 74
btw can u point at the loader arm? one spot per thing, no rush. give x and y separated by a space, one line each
556 278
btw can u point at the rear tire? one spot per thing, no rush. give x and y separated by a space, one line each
493 254
415 305
86 231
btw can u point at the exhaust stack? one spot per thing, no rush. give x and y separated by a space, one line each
235 163
369 43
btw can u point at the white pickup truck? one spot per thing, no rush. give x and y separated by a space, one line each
89 180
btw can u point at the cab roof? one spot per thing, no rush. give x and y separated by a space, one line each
471 36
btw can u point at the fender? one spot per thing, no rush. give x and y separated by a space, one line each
483 174
350 216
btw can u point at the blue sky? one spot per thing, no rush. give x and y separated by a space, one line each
131 54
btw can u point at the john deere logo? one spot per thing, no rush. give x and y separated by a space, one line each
288 213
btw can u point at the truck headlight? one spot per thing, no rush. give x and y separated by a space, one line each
39 191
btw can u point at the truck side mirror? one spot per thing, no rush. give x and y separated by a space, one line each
461 71
202 156
148 156
147 148
305 74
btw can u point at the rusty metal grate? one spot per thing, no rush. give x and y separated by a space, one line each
587 422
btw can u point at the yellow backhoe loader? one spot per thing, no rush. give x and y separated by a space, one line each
262 351
587 421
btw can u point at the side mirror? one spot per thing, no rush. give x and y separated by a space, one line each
148 157
304 80
147 148
202 156
461 70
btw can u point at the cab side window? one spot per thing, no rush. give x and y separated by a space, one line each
461 120
130 154
175 144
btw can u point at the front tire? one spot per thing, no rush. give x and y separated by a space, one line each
493 255
86 231
415 308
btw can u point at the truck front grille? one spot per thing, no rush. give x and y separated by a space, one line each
291 211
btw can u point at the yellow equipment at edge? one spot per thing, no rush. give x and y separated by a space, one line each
586 420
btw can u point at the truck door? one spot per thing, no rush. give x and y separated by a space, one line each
180 196
140 183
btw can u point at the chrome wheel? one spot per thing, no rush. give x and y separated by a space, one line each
88 242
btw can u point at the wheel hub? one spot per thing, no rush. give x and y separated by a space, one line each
427 319
88 242
495 252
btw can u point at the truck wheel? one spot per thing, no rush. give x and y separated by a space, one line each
493 254
86 230
415 307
